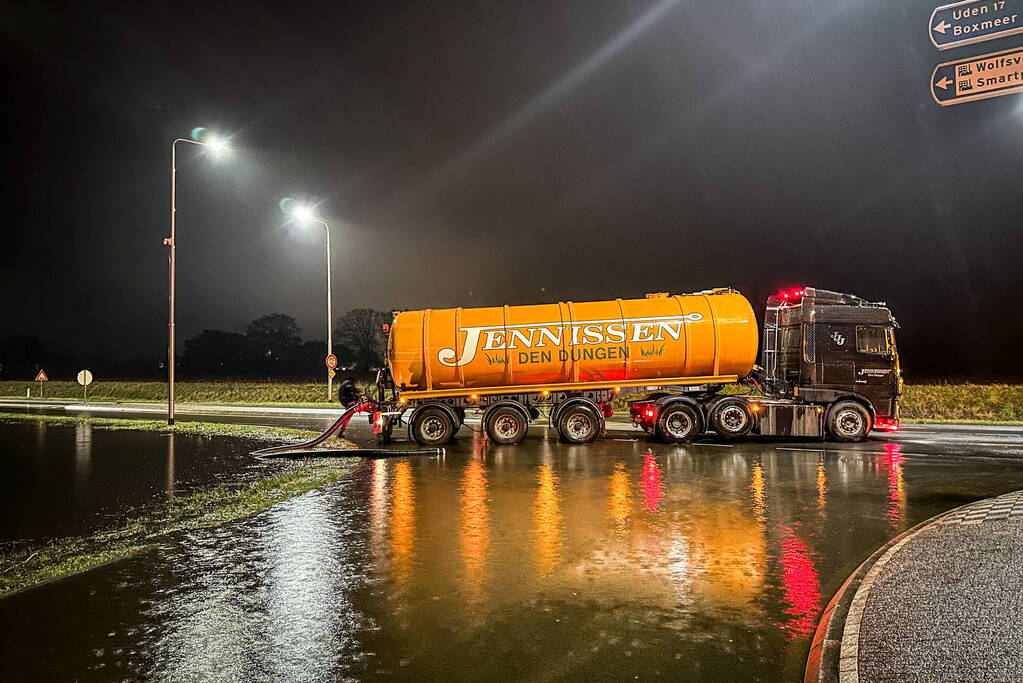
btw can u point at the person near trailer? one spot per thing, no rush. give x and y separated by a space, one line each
348 393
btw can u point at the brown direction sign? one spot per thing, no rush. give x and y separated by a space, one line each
973 21
978 78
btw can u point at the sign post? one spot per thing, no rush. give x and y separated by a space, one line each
978 78
974 21
85 379
41 377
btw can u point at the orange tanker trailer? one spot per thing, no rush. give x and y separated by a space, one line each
571 359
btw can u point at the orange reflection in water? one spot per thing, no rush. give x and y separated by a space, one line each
378 509
403 522
620 499
547 521
653 488
801 587
896 485
822 486
475 529
757 487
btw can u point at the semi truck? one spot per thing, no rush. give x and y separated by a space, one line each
829 368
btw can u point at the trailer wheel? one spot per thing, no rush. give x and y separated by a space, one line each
432 427
506 425
679 423
731 418
848 421
578 424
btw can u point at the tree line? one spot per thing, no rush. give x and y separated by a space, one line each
272 345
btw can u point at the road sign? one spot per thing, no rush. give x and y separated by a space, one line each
41 377
977 78
331 362
973 21
85 378
331 374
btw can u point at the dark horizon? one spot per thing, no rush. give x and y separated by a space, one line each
474 154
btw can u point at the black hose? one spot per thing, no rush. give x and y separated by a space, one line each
303 449
354 452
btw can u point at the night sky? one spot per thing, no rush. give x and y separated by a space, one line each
482 153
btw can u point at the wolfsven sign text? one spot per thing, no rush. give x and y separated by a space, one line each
973 21
977 78
576 333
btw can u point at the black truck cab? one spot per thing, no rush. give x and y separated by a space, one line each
822 347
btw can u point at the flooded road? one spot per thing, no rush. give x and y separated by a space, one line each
65 480
543 561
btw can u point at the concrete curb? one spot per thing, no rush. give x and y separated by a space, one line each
834 651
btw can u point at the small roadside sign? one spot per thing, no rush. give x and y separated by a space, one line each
331 374
331 362
978 78
41 377
85 379
973 21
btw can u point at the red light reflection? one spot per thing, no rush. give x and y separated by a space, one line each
801 588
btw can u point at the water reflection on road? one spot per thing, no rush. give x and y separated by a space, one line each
538 561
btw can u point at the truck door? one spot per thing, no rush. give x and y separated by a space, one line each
875 363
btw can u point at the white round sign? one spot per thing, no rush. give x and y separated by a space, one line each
85 378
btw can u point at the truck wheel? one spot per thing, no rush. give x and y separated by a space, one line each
679 423
848 421
506 425
731 418
578 424
432 427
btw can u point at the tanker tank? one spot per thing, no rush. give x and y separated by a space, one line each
709 334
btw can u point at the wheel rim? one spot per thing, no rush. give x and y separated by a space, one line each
849 422
433 427
578 426
678 425
506 426
733 418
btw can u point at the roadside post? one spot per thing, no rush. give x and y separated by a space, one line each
85 379
41 377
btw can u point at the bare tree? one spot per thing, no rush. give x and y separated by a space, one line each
361 331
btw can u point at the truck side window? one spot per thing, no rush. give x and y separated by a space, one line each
872 339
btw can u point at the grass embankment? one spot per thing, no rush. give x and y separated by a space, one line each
968 403
265 393
25 565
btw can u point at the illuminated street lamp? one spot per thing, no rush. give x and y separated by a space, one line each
219 148
305 215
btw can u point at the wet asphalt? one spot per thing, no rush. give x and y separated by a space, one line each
541 561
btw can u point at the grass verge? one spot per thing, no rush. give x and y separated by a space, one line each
23 566
967 403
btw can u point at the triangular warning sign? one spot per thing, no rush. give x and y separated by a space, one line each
41 377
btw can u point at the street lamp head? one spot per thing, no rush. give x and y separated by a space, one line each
303 213
218 146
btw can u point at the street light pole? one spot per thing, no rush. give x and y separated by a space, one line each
330 319
169 242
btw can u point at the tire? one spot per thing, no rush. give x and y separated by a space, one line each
432 427
731 418
679 423
386 429
848 421
578 424
506 425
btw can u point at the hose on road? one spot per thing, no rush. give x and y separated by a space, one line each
303 449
